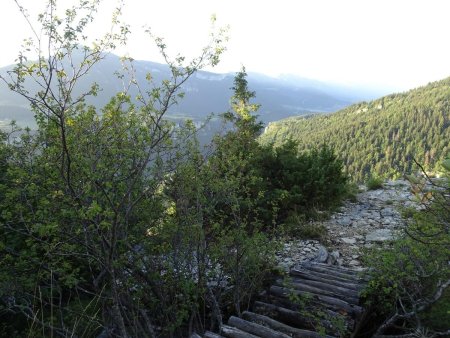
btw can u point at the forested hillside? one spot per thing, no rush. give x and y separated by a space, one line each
379 137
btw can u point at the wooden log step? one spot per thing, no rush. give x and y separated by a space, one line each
306 275
330 302
280 327
329 287
325 275
255 329
340 288
280 311
330 272
360 274
233 332
339 268
209 334
285 315
351 299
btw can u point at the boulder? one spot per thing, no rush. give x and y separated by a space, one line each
321 255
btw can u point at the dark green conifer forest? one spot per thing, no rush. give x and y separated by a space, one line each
381 137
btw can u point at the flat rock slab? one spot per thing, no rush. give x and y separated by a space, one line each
348 240
380 235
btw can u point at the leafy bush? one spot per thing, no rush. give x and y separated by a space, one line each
114 222
409 289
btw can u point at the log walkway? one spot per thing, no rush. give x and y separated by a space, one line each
317 300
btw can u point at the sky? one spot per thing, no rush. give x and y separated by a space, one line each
395 44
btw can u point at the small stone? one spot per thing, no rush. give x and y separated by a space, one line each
335 254
354 262
344 221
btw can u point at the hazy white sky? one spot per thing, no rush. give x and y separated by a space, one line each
392 43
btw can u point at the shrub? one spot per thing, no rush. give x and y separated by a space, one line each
297 226
302 182
409 288
374 183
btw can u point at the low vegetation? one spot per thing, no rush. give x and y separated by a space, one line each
410 281
115 222
374 183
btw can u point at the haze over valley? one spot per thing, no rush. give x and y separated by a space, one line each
206 93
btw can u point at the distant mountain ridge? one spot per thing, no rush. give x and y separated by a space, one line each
380 137
206 93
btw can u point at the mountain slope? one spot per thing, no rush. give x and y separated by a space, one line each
206 93
381 136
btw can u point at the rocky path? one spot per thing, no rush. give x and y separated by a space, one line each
373 218
320 295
